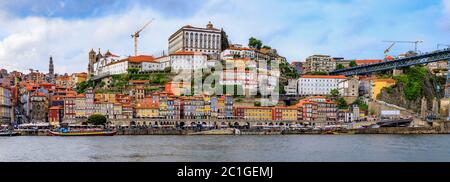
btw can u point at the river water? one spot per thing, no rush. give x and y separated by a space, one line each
298 148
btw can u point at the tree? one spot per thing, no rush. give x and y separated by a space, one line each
96 119
361 104
225 42
318 73
255 43
266 47
102 84
353 64
341 103
133 70
335 94
340 66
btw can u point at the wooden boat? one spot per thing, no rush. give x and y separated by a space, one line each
83 133
9 133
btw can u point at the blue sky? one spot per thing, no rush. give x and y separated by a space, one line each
67 29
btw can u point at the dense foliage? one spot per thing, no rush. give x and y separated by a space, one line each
82 86
412 79
353 64
361 104
255 43
96 119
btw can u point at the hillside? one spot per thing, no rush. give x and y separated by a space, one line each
416 82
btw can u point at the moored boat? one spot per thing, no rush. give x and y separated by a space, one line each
83 133
9 133
395 123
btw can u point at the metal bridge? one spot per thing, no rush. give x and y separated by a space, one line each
429 57
425 58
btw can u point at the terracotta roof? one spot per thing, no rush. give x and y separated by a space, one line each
146 105
56 107
38 94
140 59
324 76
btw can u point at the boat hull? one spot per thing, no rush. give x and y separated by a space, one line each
87 133
8 134
395 123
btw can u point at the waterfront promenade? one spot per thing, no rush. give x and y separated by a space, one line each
136 131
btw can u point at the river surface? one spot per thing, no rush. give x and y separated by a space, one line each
298 148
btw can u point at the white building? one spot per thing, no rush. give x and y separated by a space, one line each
115 67
188 60
158 64
237 51
195 39
310 85
291 88
247 79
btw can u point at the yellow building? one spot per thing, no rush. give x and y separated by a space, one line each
79 77
110 98
257 113
285 113
146 110
378 85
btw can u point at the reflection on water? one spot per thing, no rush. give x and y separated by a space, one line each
228 148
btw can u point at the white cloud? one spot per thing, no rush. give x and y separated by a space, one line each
296 29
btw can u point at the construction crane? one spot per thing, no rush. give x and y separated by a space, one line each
389 48
135 36
406 42
443 45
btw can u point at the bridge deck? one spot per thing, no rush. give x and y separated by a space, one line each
425 58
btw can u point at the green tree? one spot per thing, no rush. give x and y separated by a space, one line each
82 86
133 70
335 94
255 43
341 103
225 42
361 104
102 84
267 47
340 66
353 64
96 119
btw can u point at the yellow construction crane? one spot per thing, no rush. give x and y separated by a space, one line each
135 36
407 42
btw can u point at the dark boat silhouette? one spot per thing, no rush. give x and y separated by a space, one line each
395 123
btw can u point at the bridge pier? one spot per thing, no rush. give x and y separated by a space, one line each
397 72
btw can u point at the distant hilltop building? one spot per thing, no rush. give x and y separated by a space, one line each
194 39
319 63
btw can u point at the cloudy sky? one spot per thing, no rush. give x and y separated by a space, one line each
33 30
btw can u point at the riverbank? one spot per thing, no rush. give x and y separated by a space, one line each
231 131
